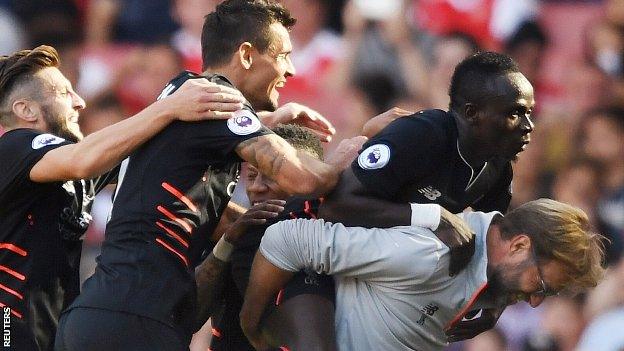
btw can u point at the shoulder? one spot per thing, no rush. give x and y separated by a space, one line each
24 139
435 125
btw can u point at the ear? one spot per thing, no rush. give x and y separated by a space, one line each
26 110
519 243
245 54
471 113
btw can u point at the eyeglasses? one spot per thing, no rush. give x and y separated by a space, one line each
545 291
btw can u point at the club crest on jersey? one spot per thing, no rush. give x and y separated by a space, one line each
244 122
44 140
374 157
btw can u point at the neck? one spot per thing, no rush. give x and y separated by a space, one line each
469 147
231 73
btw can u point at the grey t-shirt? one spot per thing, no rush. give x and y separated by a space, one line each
393 291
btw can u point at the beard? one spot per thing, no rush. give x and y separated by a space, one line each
504 282
58 126
261 102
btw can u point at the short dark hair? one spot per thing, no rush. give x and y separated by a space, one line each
300 138
19 68
470 79
237 21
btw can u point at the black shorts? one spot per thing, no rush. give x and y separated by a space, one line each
96 329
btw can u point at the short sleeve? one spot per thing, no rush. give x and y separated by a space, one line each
404 152
220 136
21 149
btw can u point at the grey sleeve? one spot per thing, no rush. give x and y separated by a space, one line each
410 254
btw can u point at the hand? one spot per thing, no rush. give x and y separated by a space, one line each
346 152
256 215
468 329
379 122
199 99
460 239
303 116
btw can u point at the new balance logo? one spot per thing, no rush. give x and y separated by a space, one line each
430 193
427 311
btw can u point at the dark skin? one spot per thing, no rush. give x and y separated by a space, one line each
500 128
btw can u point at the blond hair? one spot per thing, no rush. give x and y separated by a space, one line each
560 232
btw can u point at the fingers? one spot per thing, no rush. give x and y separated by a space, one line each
220 106
317 121
323 136
265 210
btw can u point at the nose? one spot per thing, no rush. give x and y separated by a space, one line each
535 301
77 102
526 124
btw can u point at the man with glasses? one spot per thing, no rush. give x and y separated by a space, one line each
393 291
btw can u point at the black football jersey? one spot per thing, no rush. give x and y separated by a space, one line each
41 225
178 181
418 159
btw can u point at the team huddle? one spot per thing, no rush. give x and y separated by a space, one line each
367 248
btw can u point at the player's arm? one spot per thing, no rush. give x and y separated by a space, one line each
350 200
296 172
209 275
197 99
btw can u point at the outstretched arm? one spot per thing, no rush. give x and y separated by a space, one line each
99 152
296 172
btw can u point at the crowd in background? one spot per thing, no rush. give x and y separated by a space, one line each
358 58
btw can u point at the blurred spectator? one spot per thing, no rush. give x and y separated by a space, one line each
143 74
13 35
579 184
605 309
540 342
565 334
51 22
527 46
448 51
129 21
316 49
602 139
102 111
189 14
605 48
